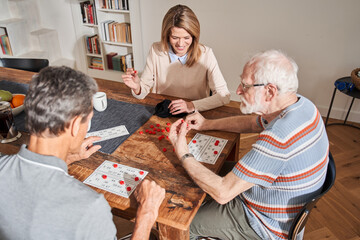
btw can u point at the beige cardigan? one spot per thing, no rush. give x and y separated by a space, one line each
178 80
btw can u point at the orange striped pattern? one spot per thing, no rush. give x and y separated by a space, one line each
307 130
306 174
251 174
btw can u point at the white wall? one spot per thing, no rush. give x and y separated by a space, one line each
322 36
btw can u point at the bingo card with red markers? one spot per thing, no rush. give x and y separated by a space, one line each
206 148
116 178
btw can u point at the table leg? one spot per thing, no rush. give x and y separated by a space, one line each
331 103
349 110
170 233
234 154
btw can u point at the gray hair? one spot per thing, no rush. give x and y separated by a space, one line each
56 95
275 67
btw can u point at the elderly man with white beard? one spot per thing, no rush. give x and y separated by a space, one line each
286 167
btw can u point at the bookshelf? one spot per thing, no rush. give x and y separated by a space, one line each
125 21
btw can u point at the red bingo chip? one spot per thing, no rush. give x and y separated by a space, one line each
158 125
147 130
115 165
104 176
164 149
168 129
168 124
141 132
136 179
194 141
162 130
121 182
128 189
151 126
141 172
215 152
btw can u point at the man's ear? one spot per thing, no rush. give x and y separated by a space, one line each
75 126
271 91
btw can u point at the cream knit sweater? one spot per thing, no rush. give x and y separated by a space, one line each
175 79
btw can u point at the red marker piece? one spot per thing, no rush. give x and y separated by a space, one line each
141 132
164 149
128 189
215 152
161 137
151 126
216 144
147 130
135 71
167 129
121 182
168 124
104 176
136 179
158 129
115 165
158 125
194 141
154 132
173 149
182 120
141 172
162 130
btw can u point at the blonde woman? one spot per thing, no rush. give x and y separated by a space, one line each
180 66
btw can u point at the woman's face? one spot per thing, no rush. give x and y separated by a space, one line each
180 41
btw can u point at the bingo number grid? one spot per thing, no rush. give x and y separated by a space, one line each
206 148
116 178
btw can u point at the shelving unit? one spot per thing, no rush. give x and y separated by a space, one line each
131 16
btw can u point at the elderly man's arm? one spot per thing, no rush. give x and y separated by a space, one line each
222 189
238 124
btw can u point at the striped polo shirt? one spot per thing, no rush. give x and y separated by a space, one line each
288 165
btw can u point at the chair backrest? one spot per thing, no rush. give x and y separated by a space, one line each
302 217
28 64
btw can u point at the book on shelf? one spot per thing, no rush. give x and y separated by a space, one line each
116 32
109 57
121 62
93 44
5 43
88 12
115 4
96 63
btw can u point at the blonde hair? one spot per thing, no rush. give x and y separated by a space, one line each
182 16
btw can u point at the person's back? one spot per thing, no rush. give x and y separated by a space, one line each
39 200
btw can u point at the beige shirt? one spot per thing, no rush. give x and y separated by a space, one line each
175 79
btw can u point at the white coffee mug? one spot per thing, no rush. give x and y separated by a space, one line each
100 101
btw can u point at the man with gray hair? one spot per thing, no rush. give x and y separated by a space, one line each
286 167
39 200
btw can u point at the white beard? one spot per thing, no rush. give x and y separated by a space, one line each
247 108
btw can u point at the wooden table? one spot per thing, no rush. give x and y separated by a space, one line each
183 197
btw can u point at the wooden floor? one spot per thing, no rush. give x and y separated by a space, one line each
337 214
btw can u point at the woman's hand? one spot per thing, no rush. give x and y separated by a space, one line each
177 137
132 80
180 106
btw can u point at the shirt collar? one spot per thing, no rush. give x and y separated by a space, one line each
42 159
174 57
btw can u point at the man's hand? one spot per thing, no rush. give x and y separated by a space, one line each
180 106
132 80
196 121
86 150
177 137
149 196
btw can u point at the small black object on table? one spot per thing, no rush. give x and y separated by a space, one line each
354 93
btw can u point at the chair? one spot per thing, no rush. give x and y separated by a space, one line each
302 217
27 64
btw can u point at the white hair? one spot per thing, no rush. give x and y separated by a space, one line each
275 67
